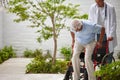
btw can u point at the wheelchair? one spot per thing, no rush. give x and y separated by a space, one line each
100 57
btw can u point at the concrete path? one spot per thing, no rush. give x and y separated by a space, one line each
14 69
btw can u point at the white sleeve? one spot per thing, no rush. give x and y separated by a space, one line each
97 28
91 13
113 23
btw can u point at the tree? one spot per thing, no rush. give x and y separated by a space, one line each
42 11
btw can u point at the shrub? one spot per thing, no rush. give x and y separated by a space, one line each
43 64
31 54
1 59
6 53
28 53
118 55
37 52
59 67
109 71
66 51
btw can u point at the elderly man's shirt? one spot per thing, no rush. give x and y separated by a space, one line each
87 34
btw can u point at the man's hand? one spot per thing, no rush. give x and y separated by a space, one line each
110 38
99 45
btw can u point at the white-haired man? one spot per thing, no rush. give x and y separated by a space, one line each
103 13
83 37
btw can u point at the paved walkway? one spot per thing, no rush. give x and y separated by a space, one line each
14 69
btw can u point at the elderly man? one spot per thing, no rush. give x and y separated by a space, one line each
103 13
83 37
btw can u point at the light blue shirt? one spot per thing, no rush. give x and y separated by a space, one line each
87 34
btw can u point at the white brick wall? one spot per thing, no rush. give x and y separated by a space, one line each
22 37
1 28
18 34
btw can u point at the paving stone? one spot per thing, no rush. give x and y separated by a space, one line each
14 69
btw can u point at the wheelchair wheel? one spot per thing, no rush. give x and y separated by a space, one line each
85 75
106 59
70 77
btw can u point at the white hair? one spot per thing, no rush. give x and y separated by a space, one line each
76 24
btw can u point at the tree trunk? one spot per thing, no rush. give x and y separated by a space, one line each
55 40
55 50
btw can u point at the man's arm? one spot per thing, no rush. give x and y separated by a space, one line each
101 37
73 39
